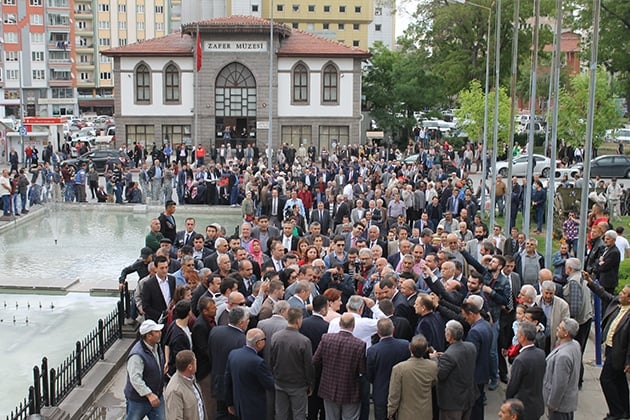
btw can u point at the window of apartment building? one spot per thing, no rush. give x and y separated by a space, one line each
140 26
11 37
356 26
59 55
337 134
159 26
103 24
254 8
296 7
311 7
143 84
37 55
58 19
105 75
122 25
81 24
378 11
39 75
122 8
159 9
341 26
62 93
84 76
62 109
327 9
37 38
12 75
37 19
171 84
85 59
11 56
310 27
122 41
357 9
330 84
35 2
175 134
10 19
104 59
140 8
295 25
325 26
103 7
355 43
342 9
104 42
141 134
378 27
57 3
300 84
83 8
279 7
9 2
297 135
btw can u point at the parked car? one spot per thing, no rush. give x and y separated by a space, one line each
99 158
542 166
609 166
620 134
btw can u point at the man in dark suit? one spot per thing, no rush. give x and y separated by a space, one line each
222 340
185 237
607 268
200 334
341 359
155 301
616 337
456 390
454 204
528 371
480 334
274 208
322 216
374 238
341 210
381 358
430 323
404 248
289 241
314 327
247 377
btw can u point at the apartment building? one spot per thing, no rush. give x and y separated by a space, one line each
356 23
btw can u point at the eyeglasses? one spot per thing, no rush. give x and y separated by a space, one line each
243 303
340 244
262 339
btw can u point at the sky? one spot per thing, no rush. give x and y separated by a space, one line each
403 17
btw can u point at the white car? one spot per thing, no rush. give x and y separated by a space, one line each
542 166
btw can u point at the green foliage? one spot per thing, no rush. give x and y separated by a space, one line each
523 138
471 112
574 106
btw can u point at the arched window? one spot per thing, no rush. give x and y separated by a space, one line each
235 92
171 83
300 84
143 84
330 85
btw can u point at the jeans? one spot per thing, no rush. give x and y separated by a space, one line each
494 354
138 410
6 204
540 215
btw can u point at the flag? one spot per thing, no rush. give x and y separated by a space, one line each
198 52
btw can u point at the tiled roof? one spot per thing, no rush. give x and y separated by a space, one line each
294 42
175 44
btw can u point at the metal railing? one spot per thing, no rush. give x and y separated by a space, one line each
51 386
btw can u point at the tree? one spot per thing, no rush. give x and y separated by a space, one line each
471 112
396 84
573 108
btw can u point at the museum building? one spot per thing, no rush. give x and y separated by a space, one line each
209 85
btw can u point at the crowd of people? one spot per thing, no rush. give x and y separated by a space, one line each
362 300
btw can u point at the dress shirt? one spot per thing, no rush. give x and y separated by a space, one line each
364 328
166 291
614 323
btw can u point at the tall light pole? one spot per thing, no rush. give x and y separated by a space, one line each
270 100
484 151
495 134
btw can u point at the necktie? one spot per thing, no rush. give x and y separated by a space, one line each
186 238
274 210
321 216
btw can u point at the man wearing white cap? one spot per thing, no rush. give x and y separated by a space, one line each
145 381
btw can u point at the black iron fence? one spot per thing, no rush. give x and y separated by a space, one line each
51 386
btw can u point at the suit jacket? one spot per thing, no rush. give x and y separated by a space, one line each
380 243
222 340
394 259
450 203
456 388
560 383
296 302
247 378
381 359
410 389
270 326
179 238
402 328
620 352
526 379
341 359
607 272
266 310
181 401
177 340
294 242
153 302
200 334
325 221
356 215
480 335
432 327
267 208
341 210
559 313
314 327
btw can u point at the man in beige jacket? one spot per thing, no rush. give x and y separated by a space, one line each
183 396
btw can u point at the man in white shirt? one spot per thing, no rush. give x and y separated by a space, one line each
622 243
364 328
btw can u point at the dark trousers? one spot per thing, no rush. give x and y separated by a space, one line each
582 338
364 386
315 408
380 412
615 387
477 408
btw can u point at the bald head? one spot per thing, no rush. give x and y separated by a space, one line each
545 275
253 336
235 299
346 322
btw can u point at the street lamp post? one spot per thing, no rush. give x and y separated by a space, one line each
484 151
495 136
270 99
